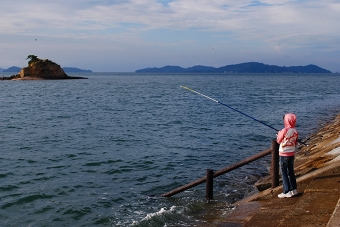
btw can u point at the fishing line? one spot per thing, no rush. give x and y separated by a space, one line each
223 104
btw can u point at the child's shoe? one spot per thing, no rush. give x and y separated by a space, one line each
283 195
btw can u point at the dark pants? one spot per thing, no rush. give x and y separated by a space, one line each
287 172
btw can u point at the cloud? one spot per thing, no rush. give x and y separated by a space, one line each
251 26
219 15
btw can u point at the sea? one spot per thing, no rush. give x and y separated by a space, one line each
101 151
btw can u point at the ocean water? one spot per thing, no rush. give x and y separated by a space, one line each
100 152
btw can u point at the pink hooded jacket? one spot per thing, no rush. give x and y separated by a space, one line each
288 136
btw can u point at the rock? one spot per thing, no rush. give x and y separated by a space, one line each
13 77
44 69
39 69
263 183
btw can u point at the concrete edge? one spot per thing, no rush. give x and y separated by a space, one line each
307 176
335 218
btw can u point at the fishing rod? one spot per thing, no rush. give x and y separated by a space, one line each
223 104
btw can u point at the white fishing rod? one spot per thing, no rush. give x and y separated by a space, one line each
236 110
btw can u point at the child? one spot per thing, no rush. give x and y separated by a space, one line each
287 138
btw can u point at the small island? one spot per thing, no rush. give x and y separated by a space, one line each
39 69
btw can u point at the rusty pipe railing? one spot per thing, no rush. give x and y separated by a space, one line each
274 170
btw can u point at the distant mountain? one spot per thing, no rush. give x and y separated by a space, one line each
1 69
249 67
201 69
165 69
75 70
13 69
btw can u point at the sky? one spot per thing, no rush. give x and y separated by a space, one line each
127 35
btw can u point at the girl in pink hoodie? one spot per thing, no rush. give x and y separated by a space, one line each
287 138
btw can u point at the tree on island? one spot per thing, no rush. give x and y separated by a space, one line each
32 59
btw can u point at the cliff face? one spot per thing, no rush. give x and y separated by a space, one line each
44 69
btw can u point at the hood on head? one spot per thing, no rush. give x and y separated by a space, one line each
289 120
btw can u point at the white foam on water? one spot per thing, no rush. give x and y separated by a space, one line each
159 213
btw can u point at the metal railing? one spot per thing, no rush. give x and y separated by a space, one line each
274 172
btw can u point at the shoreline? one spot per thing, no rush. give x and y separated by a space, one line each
28 78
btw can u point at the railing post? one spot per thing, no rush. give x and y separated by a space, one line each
209 184
275 164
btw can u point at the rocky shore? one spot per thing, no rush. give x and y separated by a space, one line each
317 168
17 77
